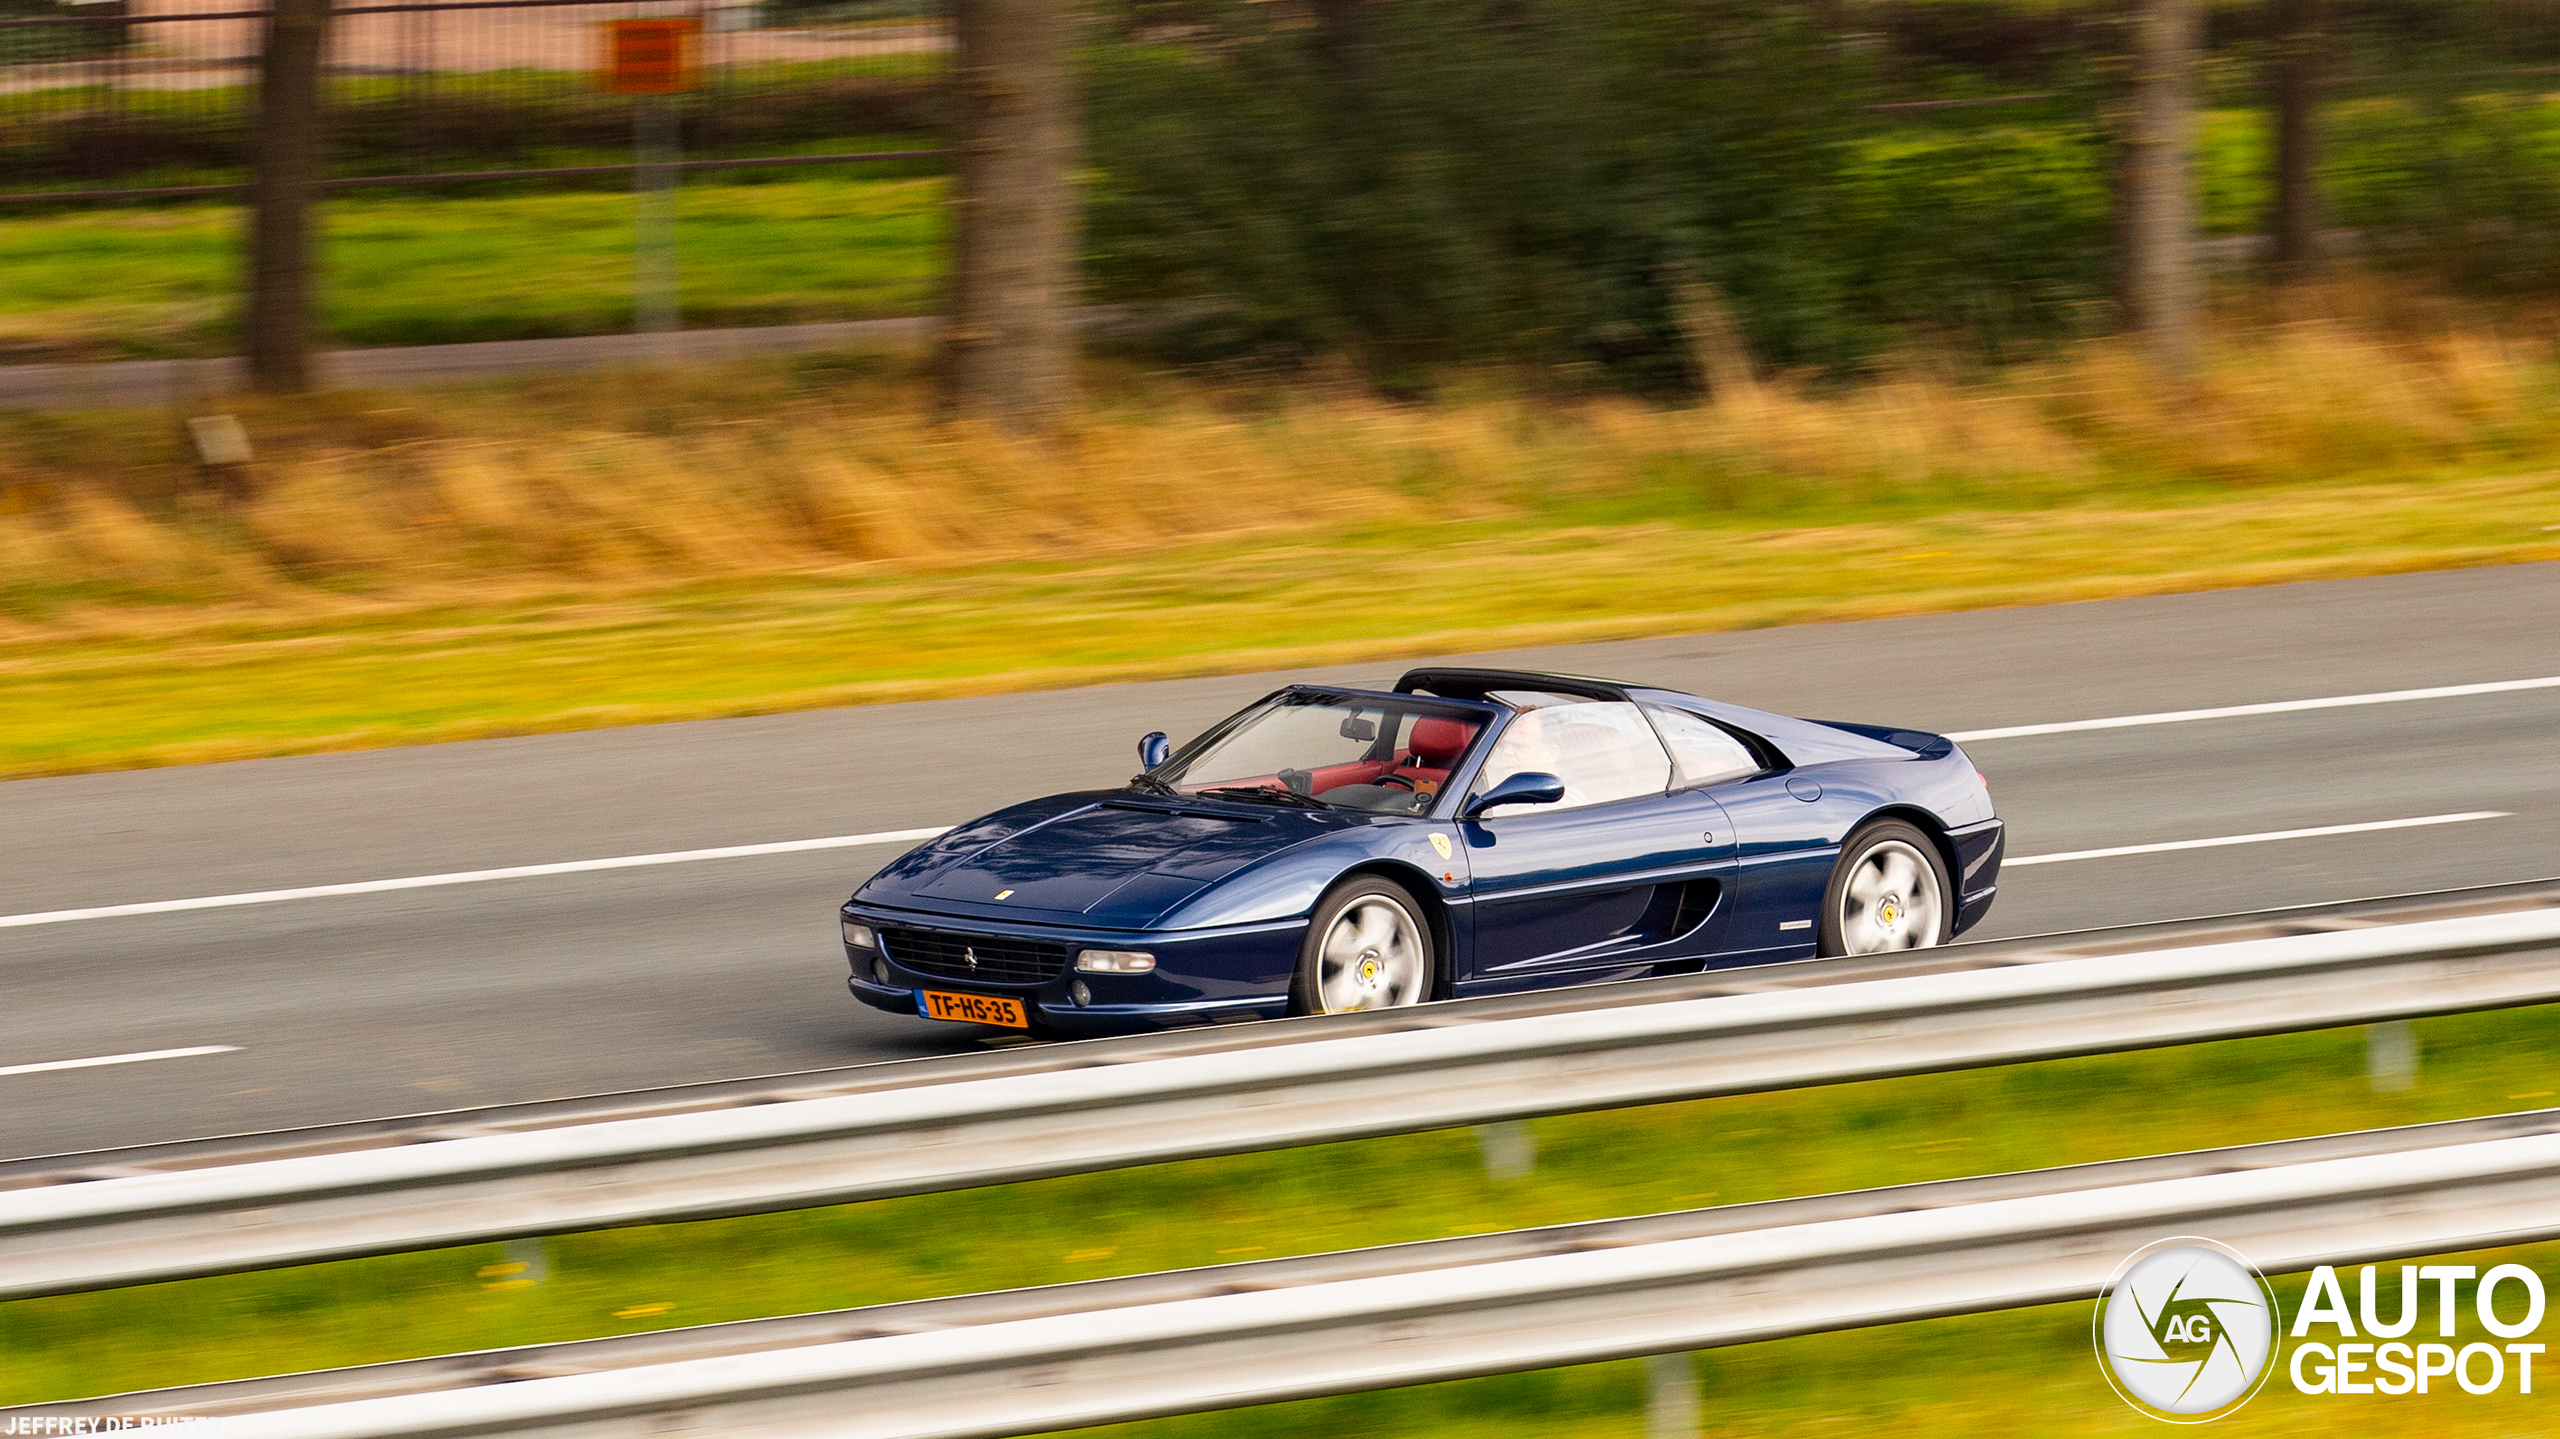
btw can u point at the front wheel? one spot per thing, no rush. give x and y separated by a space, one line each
1888 892
1367 947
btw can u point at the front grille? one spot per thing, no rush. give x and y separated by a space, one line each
976 956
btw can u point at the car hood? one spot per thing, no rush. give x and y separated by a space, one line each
1116 863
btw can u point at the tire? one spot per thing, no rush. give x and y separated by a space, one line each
1888 892
1368 946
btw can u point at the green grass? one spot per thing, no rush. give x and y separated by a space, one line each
429 269
405 269
2002 1374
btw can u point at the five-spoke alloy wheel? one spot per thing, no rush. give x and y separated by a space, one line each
1888 892
1367 947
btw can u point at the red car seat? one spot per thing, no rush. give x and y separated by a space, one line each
1435 744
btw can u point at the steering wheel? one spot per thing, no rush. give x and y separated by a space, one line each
1393 778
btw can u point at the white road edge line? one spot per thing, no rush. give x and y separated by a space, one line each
2273 834
2440 692
53 1064
849 841
473 876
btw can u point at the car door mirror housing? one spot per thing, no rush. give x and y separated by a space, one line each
1154 750
1529 788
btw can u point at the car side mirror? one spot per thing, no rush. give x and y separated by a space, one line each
1154 750
1528 788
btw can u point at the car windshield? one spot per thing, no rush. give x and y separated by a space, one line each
1328 751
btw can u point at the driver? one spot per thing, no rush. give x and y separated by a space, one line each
1539 742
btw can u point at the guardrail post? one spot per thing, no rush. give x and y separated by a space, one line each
288 161
1671 1397
2391 1055
1510 1150
533 1254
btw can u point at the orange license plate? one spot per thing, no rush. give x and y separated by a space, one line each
975 1008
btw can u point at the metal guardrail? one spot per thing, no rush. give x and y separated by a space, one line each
1013 1055
1063 1356
1422 1075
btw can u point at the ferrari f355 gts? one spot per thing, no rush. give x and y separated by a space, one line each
1468 832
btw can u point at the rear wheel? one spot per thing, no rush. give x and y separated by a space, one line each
1367 947
1888 892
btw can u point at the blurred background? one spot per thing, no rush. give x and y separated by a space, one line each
374 375
1407 185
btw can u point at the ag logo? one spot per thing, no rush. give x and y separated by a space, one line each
2186 1330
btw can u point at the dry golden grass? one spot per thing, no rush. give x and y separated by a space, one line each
764 470
565 554
792 469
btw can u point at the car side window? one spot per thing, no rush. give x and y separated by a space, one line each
1602 752
1701 748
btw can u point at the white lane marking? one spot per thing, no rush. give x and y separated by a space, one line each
688 856
53 1064
2273 834
2440 692
471 876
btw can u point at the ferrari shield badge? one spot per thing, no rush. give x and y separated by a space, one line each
1440 842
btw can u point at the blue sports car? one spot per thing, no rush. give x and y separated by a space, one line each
1469 832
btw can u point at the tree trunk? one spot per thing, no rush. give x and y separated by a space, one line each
1008 348
288 161
2160 270
2295 224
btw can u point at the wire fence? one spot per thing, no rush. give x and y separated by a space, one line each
121 100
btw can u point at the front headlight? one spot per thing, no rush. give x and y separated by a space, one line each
1115 961
859 936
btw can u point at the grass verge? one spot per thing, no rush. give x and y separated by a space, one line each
425 270
602 550
373 678
2019 1373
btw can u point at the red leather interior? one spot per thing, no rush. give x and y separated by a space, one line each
1436 741
1359 771
1432 747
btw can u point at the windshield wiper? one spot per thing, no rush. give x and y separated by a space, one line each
1254 794
1149 784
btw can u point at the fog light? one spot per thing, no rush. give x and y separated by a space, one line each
1115 961
1083 996
859 936
880 970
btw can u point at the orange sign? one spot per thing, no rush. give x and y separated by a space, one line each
650 57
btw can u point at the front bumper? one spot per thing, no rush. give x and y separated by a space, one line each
1201 975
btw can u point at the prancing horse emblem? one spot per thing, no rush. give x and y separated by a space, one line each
969 957
1440 842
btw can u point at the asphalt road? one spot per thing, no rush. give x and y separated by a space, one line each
359 1006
